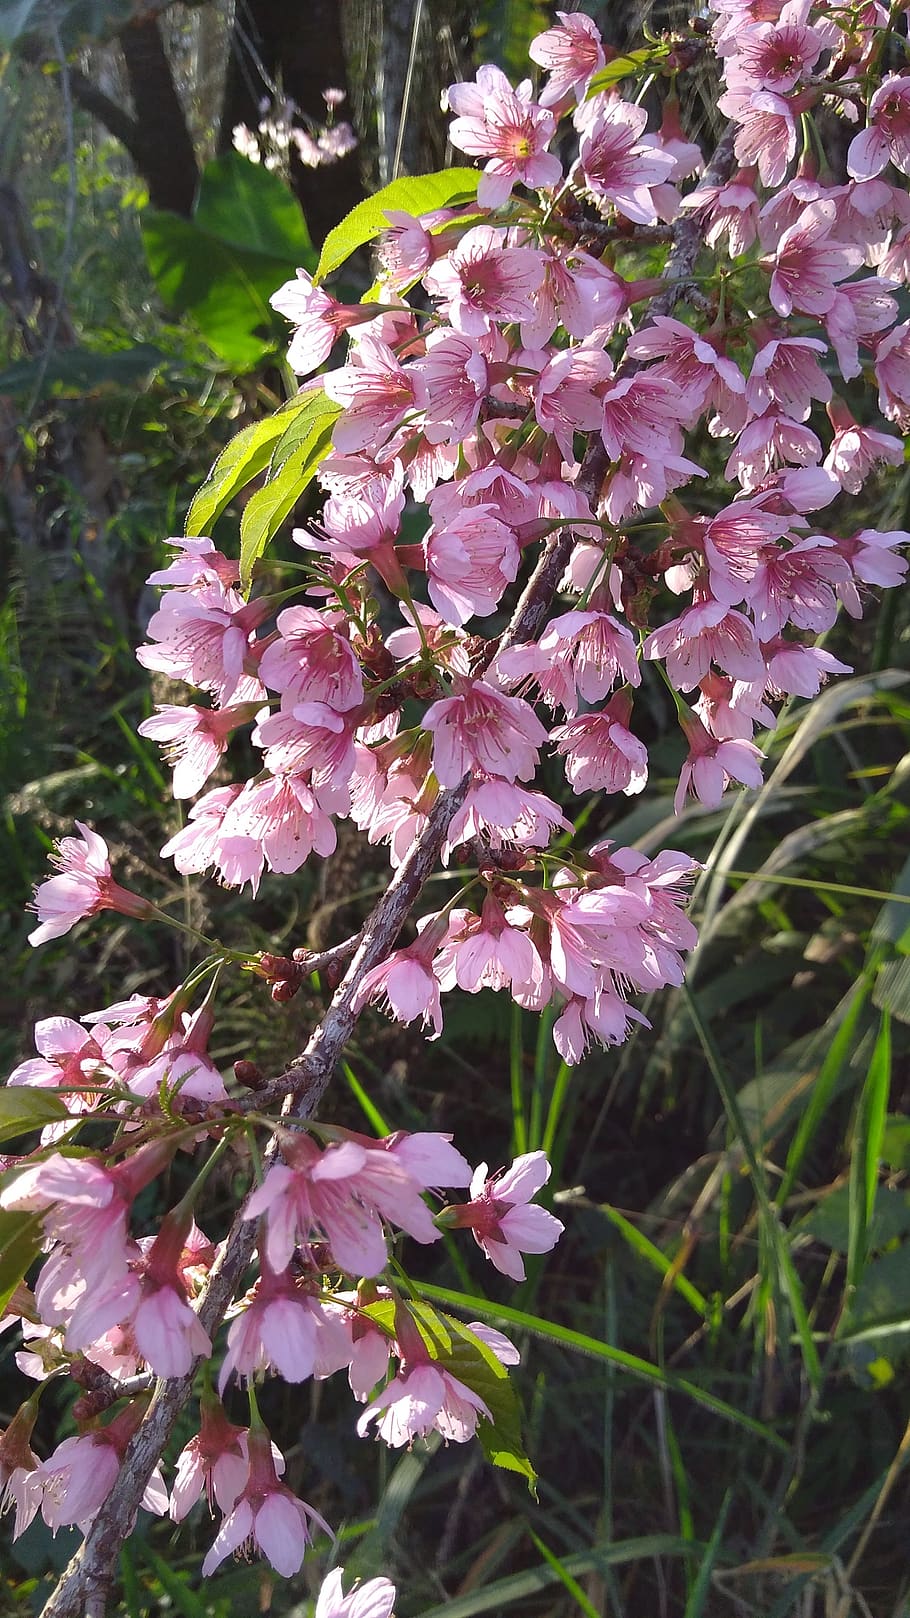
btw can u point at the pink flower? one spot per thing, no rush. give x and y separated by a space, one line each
266 1517
405 987
564 397
501 813
277 822
786 373
318 318
727 210
375 1599
797 586
215 1460
604 1017
570 53
809 262
615 164
375 392
84 887
800 671
887 136
482 280
198 562
855 450
80 1474
450 384
712 765
490 951
480 729
424 1396
20 1476
471 556
346 1191
508 128
767 132
641 416
581 653
501 1218
312 661
691 361
776 57
892 371
286 1326
203 636
601 753
194 739
706 632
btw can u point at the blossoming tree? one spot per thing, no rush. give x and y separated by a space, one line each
513 378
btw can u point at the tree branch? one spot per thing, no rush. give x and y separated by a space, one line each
301 1086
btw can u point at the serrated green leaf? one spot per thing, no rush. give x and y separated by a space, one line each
23 1108
274 502
417 194
626 67
20 1244
319 413
249 453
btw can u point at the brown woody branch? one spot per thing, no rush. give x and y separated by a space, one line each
85 1585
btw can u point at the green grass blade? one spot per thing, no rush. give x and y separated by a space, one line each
565 1578
652 1255
579 1342
519 1586
867 1140
516 1077
695 1606
822 1090
768 1213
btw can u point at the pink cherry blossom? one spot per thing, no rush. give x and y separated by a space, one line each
405 987
615 164
194 740
501 1217
84 887
480 729
600 753
375 1599
490 951
892 371
203 636
766 135
809 262
376 393
421 1398
887 135
471 557
712 765
483 280
856 449
266 1516
318 319
509 129
570 53
449 382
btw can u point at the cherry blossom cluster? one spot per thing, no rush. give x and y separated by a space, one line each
516 521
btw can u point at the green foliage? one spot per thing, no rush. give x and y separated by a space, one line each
296 458
253 450
79 373
247 236
417 194
23 1109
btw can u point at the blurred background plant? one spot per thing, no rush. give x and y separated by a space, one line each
716 1359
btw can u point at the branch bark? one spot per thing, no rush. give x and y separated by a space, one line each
86 1582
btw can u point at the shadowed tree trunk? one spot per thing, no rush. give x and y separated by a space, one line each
156 136
298 49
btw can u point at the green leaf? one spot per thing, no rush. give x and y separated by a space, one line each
74 373
20 1244
275 501
881 1301
519 1586
829 1220
417 194
319 414
866 1148
23 1108
652 1255
247 236
249 453
627 66
896 1141
580 1342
